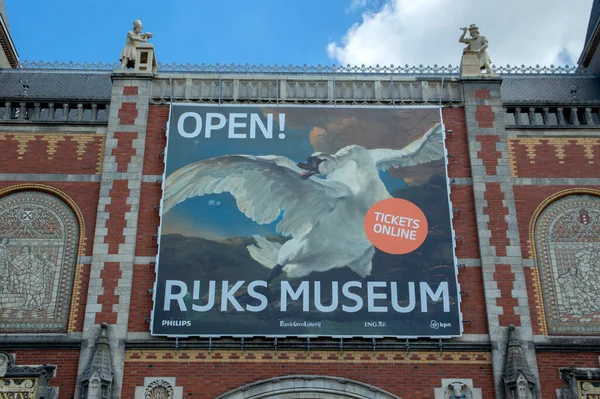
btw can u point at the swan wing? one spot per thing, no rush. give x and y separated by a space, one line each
429 147
263 186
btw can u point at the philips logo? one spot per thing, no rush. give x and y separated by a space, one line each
177 323
437 325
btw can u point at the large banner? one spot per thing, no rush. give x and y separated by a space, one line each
305 221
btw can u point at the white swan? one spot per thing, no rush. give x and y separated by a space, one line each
324 217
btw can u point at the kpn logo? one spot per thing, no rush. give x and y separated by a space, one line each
437 325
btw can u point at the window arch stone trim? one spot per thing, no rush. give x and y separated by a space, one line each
70 204
62 196
567 261
545 203
307 386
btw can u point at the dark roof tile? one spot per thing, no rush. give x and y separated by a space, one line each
550 88
54 85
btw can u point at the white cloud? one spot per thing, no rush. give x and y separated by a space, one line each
426 32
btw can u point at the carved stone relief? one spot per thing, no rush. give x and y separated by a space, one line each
581 383
38 248
159 388
25 382
568 247
457 389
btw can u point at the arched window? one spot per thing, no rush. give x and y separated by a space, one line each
39 236
567 237
307 386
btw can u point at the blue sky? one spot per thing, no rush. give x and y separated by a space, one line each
301 31
196 31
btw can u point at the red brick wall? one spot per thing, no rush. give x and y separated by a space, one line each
51 153
149 219
156 139
141 299
465 223
459 165
473 304
527 199
407 379
549 363
66 372
554 157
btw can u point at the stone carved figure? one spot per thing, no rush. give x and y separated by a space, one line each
458 390
5 261
134 37
478 44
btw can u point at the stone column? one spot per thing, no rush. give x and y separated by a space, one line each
109 293
499 242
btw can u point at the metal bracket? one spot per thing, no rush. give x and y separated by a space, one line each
275 344
456 210
449 131
209 344
441 346
374 343
341 345
464 293
242 343
407 344
176 343
308 343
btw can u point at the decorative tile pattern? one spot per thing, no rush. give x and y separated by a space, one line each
568 248
203 356
38 248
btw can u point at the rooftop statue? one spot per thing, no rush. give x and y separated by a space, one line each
477 44
134 37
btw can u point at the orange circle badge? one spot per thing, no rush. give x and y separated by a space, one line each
396 226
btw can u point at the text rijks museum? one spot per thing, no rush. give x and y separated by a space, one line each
299 232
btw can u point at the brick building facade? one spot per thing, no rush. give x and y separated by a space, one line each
81 169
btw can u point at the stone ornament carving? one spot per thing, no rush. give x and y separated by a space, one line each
22 381
519 381
38 247
568 248
4 362
159 389
580 383
457 389
477 45
134 38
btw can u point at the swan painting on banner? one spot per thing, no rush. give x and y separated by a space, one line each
301 221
